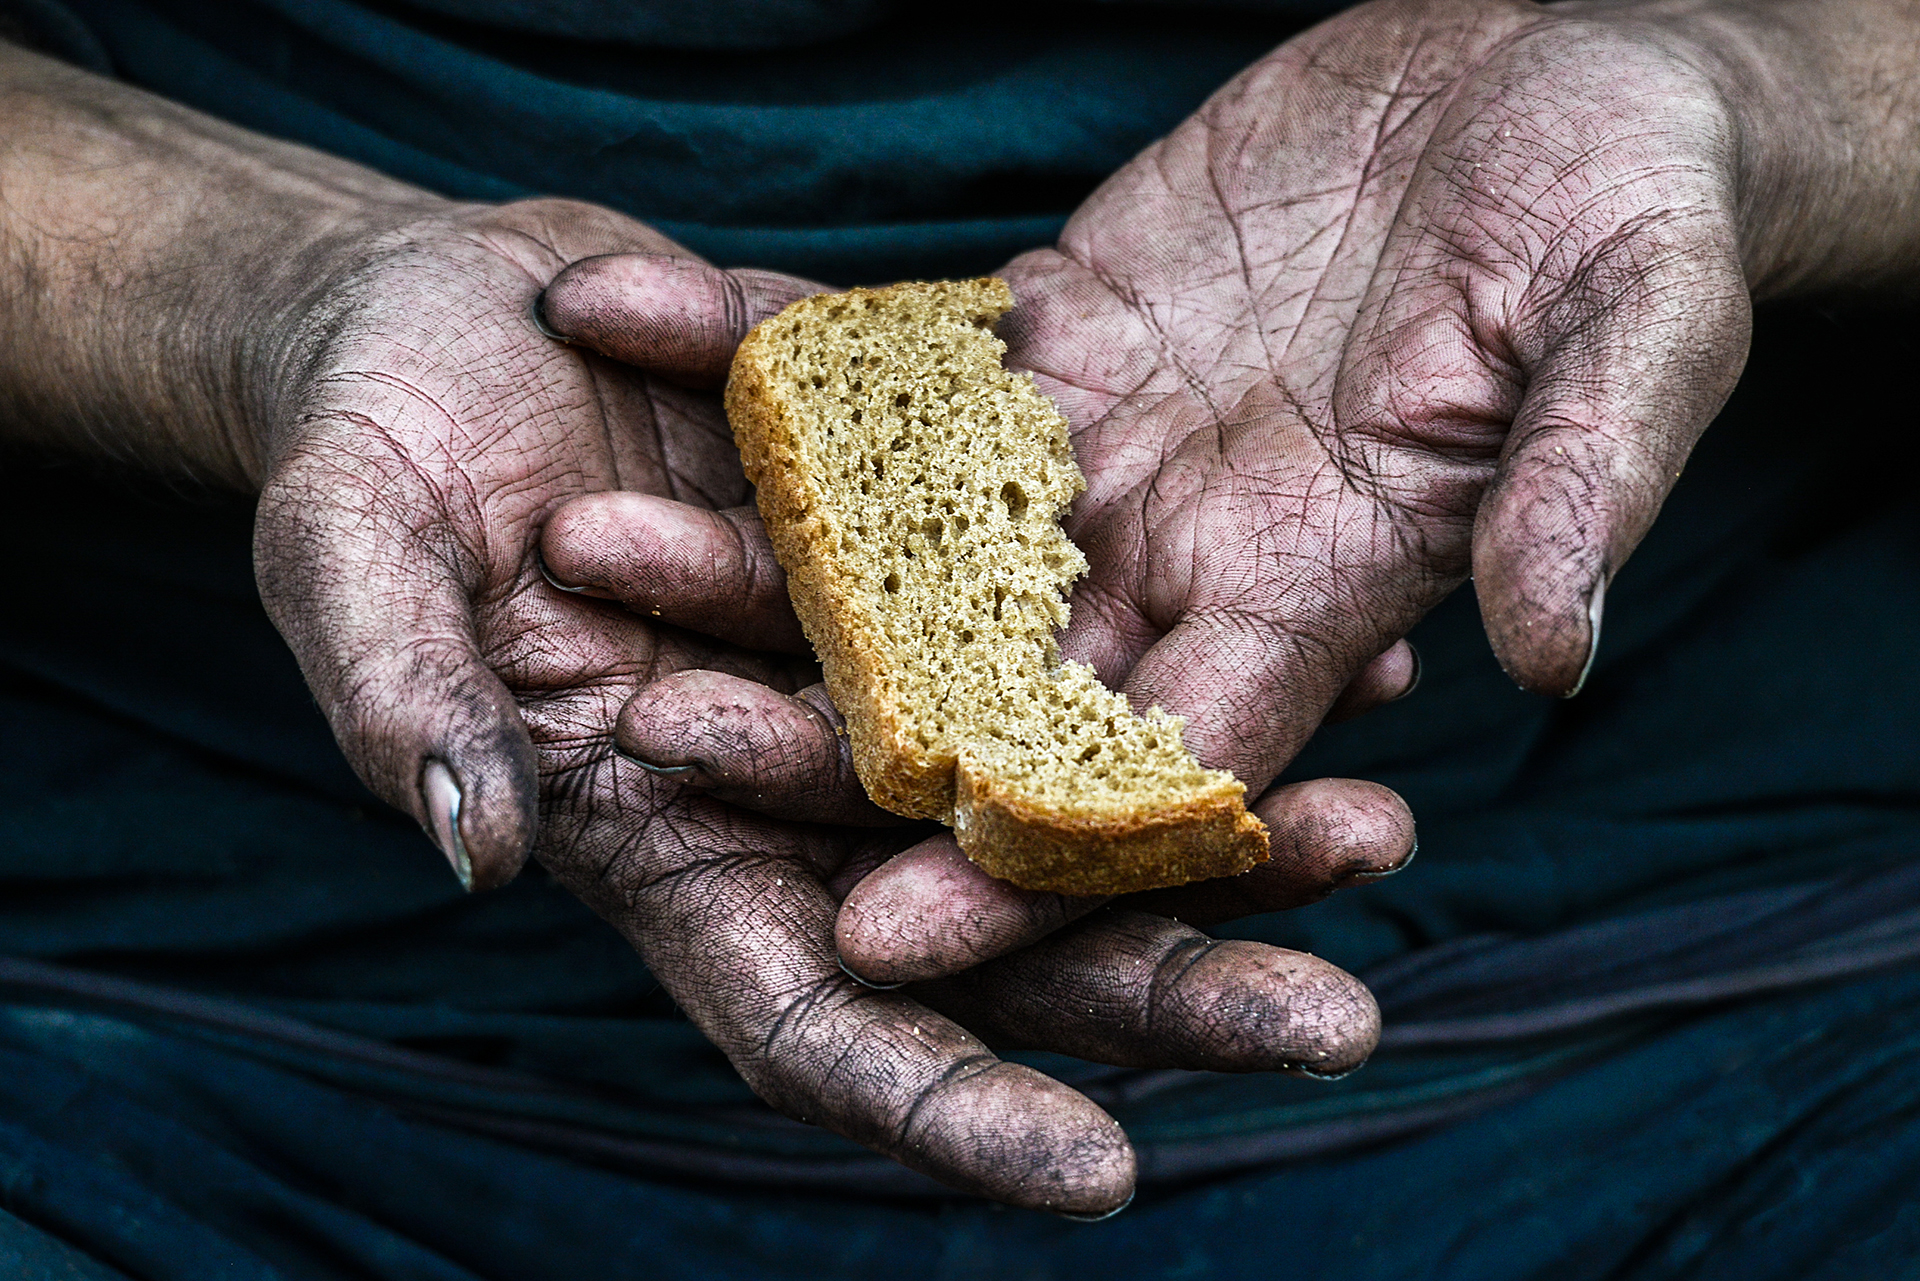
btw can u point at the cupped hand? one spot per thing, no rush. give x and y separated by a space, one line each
1440 287
431 436
1437 288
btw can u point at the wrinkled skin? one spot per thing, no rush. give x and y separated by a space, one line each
1437 288
1460 295
432 434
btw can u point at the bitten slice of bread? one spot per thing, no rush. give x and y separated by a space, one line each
913 487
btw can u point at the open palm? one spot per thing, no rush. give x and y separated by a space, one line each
1434 289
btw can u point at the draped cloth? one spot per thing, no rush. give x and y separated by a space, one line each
1648 988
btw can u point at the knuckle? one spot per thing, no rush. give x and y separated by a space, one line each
762 577
1173 1000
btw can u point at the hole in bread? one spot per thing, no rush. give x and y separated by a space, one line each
892 583
903 400
934 529
1015 498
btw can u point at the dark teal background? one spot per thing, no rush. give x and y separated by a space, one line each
869 142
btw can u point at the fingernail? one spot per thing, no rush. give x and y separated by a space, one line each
878 987
1596 603
1366 878
664 771
559 586
1415 682
441 793
1095 1216
539 314
1321 1074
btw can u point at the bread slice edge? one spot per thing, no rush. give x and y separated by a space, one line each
898 774
1208 833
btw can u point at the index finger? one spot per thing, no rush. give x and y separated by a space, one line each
675 316
711 572
733 919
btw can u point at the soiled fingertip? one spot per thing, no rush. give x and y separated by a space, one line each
687 723
485 836
1140 990
1390 677
1340 1022
1544 649
1271 1009
1323 835
677 316
600 540
1250 1007
1023 1138
749 745
929 912
1565 507
571 545
711 572
1332 830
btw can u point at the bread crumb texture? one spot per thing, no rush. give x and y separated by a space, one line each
913 488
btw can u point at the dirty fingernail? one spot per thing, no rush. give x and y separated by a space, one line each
538 312
1095 1216
1370 875
663 771
441 794
869 983
559 586
1596 604
1414 682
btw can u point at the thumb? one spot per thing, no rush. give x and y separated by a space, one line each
1251 686
381 622
671 315
1618 392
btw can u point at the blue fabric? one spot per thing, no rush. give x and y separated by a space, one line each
1779 1140
1649 985
941 140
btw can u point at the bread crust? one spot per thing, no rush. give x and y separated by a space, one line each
1038 849
1209 835
899 774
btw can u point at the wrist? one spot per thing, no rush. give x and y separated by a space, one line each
1823 99
286 302
157 268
